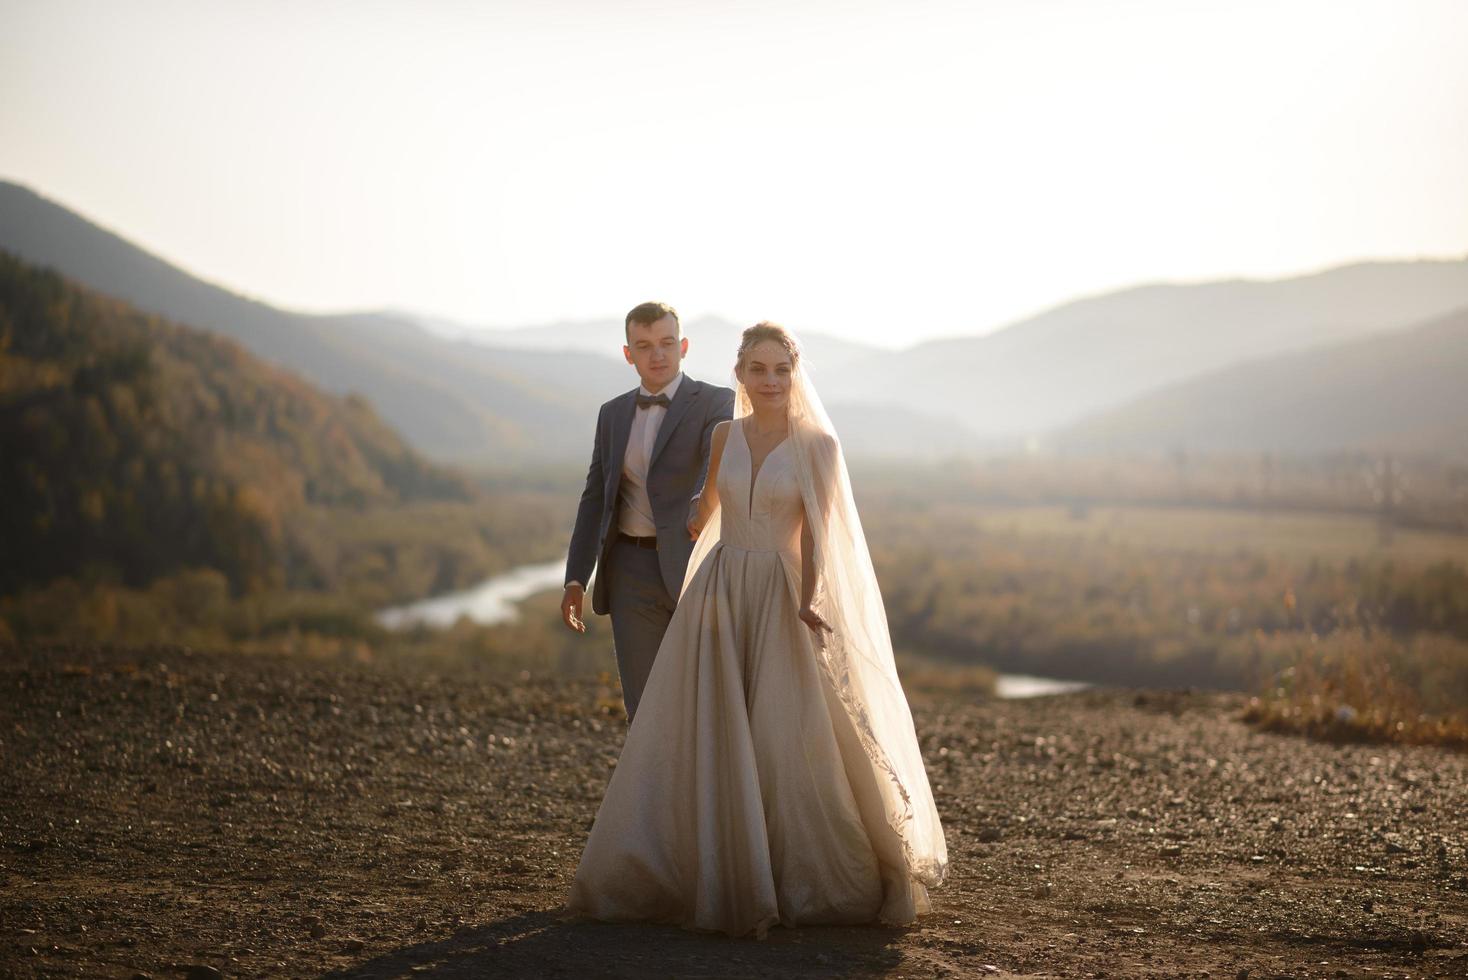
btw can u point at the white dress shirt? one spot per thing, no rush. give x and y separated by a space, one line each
634 516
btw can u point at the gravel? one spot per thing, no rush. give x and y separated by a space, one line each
178 813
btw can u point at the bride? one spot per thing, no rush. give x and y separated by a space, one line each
773 774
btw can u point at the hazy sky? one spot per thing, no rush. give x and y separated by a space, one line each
887 171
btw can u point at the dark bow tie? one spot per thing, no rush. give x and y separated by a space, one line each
644 401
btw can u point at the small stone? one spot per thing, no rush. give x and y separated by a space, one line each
989 835
317 931
353 946
200 971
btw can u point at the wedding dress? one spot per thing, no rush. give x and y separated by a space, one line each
770 776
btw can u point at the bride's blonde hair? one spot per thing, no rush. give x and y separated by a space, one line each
766 330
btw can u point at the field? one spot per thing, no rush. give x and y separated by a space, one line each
1162 595
1335 615
1300 535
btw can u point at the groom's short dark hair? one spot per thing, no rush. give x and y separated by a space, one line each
650 313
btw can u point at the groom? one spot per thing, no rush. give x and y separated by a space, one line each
648 465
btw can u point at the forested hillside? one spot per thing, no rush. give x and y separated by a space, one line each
131 446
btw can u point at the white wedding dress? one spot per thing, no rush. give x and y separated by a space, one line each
743 796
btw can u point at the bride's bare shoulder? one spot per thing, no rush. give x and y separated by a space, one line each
825 441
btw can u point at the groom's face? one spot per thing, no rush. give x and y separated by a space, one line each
656 350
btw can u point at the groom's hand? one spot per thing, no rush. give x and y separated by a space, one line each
571 608
695 518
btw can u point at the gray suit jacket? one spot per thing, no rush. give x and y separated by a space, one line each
676 470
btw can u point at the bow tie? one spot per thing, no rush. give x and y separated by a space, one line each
646 401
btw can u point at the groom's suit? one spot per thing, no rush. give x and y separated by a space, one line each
638 494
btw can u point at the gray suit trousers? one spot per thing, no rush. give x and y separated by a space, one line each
641 608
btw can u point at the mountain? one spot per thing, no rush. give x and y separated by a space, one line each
712 343
506 397
1099 352
131 443
1405 391
889 433
868 431
453 400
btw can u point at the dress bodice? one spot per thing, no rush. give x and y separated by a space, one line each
760 511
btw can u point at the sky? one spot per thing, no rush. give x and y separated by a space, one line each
888 172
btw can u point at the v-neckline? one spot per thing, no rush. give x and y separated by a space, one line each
754 472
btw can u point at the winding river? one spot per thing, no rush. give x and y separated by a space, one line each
494 600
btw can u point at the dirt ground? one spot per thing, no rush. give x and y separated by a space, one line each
172 814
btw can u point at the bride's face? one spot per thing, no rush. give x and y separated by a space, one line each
765 372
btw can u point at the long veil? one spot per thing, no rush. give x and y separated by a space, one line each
856 657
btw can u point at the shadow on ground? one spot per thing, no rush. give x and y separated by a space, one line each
555 943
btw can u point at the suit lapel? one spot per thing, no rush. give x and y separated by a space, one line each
621 430
687 392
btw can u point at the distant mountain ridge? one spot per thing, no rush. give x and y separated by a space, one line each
867 430
1405 391
455 401
993 393
712 343
512 396
1096 353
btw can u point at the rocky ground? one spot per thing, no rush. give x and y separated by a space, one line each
173 813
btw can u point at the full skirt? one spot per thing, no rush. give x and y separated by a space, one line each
742 797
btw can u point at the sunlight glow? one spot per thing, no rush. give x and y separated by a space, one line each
884 171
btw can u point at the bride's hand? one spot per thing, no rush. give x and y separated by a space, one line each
811 618
695 525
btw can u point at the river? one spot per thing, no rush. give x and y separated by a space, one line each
494 600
